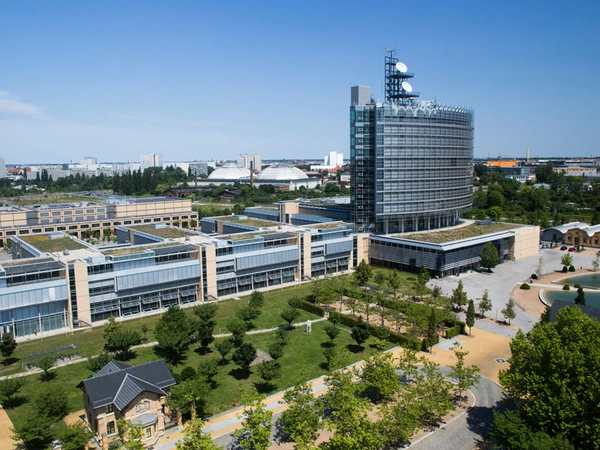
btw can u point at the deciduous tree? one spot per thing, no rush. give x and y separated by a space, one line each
9 387
244 355
255 433
509 310
360 332
489 256
289 315
363 272
196 439
223 347
301 420
553 374
466 376
485 304
173 332
459 296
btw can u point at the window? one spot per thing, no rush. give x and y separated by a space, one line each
110 427
109 408
148 432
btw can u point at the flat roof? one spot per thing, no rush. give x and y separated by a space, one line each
43 243
163 232
458 233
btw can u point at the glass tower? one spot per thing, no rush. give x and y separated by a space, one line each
411 159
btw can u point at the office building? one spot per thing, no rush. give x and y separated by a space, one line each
411 159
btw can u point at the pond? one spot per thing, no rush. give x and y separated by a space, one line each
587 280
591 298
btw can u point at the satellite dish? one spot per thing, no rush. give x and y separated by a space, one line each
401 67
406 86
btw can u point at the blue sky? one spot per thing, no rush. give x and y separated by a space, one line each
197 80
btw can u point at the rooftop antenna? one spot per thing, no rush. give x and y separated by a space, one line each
397 88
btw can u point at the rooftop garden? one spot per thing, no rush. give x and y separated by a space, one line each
43 243
165 232
458 233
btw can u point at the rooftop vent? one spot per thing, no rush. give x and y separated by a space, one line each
158 225
56 235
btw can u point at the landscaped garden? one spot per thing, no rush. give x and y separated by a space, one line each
368 313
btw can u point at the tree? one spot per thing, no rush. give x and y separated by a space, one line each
276 349
109 330
34 430
74 436
45 363
289 315
470 316
596 262
257 300
131 435
237 328
7 346
95 363
363 272
332 332
195 439
379 374
9 387
485 303
466 376
144 330
509 310
553 374
206 323
268 371
422 279
248 315
512 431
190 396
459 297
432 334
301 420
173 332
495 212
580 298
122 341
223 347
360 332
52 402
489 256
255 433
244 355
566 260
208 369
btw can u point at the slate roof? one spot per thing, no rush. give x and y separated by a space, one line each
120 383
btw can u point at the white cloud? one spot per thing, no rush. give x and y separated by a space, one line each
11 105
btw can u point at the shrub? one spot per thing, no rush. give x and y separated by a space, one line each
525 287
452 332
571 269
565 269
566 287
187 372
576 285
311 308
533 276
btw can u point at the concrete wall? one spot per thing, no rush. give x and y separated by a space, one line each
526 242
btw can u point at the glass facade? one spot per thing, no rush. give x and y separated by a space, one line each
411 164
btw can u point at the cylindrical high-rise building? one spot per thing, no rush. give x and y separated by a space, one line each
411 160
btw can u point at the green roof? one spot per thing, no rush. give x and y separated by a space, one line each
164 232
45 244
458 233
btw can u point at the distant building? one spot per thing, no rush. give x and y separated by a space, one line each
3 173
88 161
152 160
248 159
331 161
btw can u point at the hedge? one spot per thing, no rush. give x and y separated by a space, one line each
394 338
312 308
525 287
452 332
566 287
462 326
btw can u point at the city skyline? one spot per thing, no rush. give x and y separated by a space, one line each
195 81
